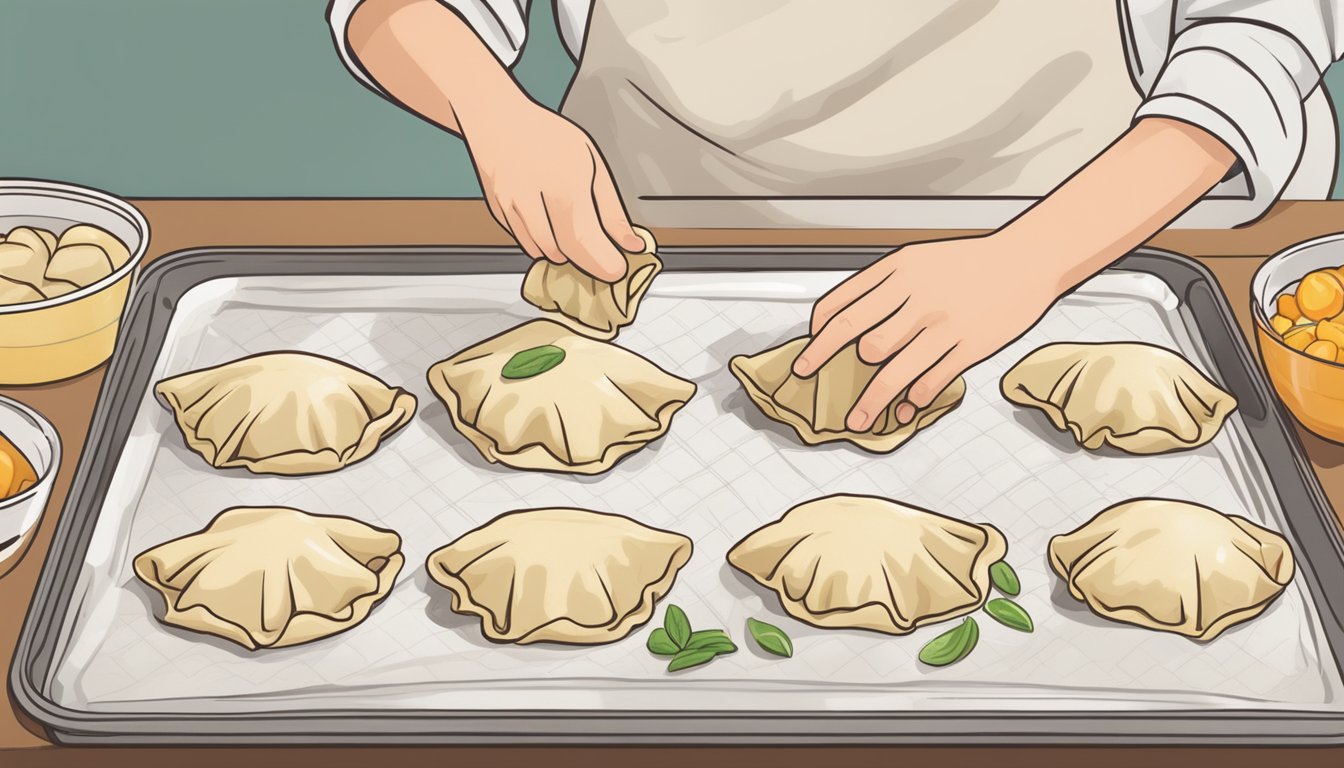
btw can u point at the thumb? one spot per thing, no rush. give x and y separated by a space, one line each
610 209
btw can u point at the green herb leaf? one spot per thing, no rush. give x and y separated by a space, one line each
660 644
951 646
711 639
1009 614
677 625
1005 578
691 658
531 362
771 638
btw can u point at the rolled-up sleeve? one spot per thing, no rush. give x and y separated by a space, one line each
501 25
1241 70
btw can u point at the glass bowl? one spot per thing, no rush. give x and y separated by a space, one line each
37 440
1312 388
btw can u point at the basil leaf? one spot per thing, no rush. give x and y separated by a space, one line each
1009 614
771 638
691 658
677 625
711 639
951 646
1005 578
531 362
660 644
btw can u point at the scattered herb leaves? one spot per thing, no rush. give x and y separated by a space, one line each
770 638
1009 614
1005 578
532 362
660 644
687 649
677 625
691 657
951 646
715 639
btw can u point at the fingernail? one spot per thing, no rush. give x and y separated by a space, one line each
905 413
802 367
858 421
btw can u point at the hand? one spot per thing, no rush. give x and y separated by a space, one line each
548 186
926 313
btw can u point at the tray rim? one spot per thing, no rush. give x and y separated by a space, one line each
1265 418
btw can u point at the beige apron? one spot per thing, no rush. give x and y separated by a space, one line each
824 99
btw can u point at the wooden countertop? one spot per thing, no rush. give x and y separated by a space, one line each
1232 255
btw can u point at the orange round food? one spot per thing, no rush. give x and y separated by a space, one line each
1300 336
1324 350
1320 295
1287 306
1332 331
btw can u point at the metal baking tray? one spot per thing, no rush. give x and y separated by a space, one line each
93 664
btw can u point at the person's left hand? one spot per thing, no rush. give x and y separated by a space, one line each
927 312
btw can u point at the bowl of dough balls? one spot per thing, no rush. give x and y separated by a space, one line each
68 255
1297 298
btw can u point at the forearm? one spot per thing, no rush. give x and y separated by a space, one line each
430 60
1128 193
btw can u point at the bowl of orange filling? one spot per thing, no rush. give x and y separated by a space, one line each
1297 298
30 452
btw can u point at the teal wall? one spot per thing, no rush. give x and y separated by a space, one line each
248 98
220 98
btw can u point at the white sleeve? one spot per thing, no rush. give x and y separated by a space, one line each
1241 70
501 25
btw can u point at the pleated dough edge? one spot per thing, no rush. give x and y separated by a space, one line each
535 456
564 631
1136 616
994 550
303 627
1149 441
947 401
552 310
298 463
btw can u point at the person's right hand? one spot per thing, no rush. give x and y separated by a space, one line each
548 186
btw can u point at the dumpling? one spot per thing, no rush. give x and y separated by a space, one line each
81 234
1173 566
560 575
23 259
541 397
1136 397
269 577
53 288
864 562
12 292
590 306
39 240
284 413
80 265
817 406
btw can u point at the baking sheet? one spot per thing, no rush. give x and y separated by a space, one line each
722 470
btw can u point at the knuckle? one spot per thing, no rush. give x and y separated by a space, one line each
873 349
923 393
842 323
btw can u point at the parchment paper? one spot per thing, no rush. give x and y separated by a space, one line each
722 471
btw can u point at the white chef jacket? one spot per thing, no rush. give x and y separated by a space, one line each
1247 72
